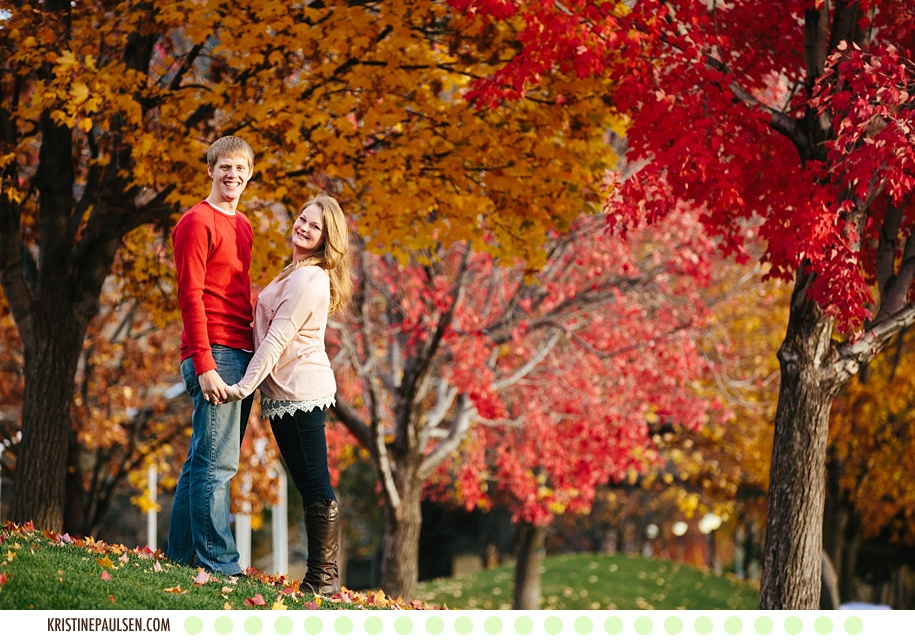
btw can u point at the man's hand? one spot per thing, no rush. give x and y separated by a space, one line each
212 386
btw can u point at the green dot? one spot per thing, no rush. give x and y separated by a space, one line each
733 625
223 625
493 625
793 625
673 625
613 626
343 626
583 625
403 625
643 625
823 625
553 625
854 625
373 626
313 625
463 625
254 625
524 625
703 625
194 625
283 626
763 625
435 625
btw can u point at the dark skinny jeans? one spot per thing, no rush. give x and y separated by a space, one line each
302 444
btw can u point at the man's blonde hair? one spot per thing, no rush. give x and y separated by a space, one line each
230 146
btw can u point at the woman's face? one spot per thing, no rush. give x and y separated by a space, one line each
308 230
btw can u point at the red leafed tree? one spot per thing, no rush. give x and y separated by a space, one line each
539 388
795 113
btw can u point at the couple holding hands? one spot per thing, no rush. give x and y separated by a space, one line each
230 347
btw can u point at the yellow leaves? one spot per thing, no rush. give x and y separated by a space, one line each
688 503
79 92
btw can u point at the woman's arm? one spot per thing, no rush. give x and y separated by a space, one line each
302 293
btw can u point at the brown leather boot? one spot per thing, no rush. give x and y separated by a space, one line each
322 526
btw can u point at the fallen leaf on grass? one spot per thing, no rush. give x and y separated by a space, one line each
227 606
157 567
105 562
105 575
124 558
202 577
257 600
313 605
2 579
111 598
60 575
175 589
278 605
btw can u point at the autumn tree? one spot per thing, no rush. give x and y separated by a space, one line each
467 378
107 109
795 113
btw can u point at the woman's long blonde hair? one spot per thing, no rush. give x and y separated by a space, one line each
333 254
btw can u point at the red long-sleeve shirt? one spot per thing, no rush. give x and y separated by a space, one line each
212 258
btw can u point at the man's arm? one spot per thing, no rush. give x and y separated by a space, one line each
191 240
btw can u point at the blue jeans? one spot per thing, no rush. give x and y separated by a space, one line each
199 531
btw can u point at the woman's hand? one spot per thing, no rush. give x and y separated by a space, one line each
232 394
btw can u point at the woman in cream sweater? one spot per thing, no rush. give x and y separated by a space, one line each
291 368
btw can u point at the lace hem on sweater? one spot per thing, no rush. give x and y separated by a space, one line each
279 408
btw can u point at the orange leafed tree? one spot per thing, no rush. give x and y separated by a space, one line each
107 109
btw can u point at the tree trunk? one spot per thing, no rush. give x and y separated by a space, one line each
41 467
835 517
829 594
794 526
527 568
848 581
400 542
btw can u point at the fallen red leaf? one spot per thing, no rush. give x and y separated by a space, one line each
105 575
257 600
2 579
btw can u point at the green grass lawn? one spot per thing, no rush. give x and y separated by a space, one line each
43 570
599 581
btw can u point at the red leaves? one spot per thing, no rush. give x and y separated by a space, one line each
105 575
256 601
718 121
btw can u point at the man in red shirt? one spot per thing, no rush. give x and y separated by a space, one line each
212 243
